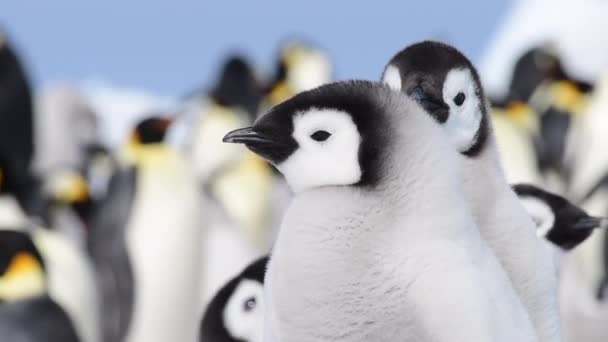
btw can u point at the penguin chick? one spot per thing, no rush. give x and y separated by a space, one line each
236 312
559 221
446 84
361 254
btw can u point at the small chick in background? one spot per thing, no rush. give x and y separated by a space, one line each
560 222
146 243
236 312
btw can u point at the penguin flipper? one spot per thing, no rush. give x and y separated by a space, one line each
107 247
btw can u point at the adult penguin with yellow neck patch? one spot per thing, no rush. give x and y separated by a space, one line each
146 243
300 67
27 312
556 101
47 291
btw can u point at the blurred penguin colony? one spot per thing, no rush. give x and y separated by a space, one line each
165 236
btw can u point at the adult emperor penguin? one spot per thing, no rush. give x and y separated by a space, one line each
27 312
301 66
558 220
362 254
445 83
47 291
237 183
236 312
146 243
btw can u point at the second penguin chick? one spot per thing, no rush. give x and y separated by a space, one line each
446 84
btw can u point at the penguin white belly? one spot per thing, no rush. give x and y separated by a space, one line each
516 152
510 232
11 214
346 280
163 241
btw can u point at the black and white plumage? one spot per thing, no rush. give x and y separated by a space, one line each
362 254
300 66
45 289
27 313
446 84
236 312
148 243
239 187
108 250
558 220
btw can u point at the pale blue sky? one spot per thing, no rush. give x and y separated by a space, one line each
171 46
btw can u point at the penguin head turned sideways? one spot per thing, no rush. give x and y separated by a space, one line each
22 273
557 220
341 134
236 312
446 84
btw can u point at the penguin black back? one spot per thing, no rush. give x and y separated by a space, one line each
213 328
35 320
16 127
108 250
551 145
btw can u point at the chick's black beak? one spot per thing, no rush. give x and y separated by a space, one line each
272 147
589 223
246 136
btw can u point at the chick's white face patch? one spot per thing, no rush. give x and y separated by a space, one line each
460 93
244 312
328 150
392 77
541 214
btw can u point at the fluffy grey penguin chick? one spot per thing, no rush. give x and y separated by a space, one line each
378 243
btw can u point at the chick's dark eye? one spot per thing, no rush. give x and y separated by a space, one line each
459 99
249 304
320 135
